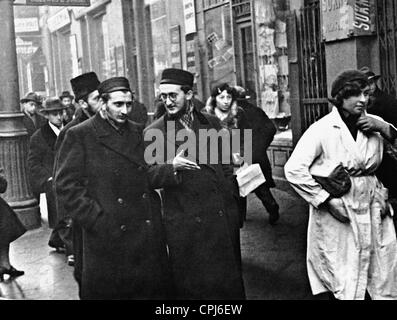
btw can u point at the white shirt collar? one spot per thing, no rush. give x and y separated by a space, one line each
55 129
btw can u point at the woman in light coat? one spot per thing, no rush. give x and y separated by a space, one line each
351 245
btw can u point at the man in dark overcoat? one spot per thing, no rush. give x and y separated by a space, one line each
85 88
32 120
102 180
67 100
199 200
42 154
263 131
384 105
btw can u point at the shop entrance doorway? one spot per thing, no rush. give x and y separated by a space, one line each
246 55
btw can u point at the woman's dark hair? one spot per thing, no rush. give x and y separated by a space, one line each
351 89
218 89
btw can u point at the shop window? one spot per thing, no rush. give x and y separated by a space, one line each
38 81
160 36
272 52
65 60
98 31
219 45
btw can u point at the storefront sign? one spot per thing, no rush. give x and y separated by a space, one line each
26 50
25 25
342 19
71 3
176 56
190 53
59 20
190 16
241 8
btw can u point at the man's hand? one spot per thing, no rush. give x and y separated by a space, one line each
335 207
180 163
369 124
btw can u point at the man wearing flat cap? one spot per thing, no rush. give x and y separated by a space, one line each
384 105
200 200
102 180
30 105
351 245
85 88
42 154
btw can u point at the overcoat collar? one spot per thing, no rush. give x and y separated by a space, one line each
124 145
356 147
48 135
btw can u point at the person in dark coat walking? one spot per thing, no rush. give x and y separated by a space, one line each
199 200
85 88
263 131
42 154
67 100
32 120
385 106
11 229
102 181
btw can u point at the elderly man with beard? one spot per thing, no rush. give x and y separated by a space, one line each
67 233
102 180
200 201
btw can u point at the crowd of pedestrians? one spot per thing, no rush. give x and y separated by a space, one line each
142 211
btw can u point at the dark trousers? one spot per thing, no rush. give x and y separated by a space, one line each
264 194
61 236
77 236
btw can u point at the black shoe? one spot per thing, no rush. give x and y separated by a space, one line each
273 218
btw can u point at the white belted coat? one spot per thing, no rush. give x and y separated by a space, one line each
346 259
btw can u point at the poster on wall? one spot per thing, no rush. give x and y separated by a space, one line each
176 56
189 12
347 18
190 53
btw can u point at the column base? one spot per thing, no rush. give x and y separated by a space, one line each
28 213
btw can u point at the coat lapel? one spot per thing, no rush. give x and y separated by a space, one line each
346 138
124 146
49 135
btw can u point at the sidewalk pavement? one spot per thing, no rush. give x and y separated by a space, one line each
273 257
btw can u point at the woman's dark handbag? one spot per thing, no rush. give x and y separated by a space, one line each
333 178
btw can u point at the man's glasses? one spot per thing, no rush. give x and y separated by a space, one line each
172 96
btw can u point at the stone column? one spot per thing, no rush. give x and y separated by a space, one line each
13 135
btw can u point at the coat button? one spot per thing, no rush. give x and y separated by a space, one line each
198 220
123 228
221 213
119 200
148 222
145 196
140 168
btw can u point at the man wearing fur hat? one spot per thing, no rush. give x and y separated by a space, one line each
42 154
200 201
85 88
102 180
67 100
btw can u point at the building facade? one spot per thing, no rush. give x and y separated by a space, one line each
285 53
